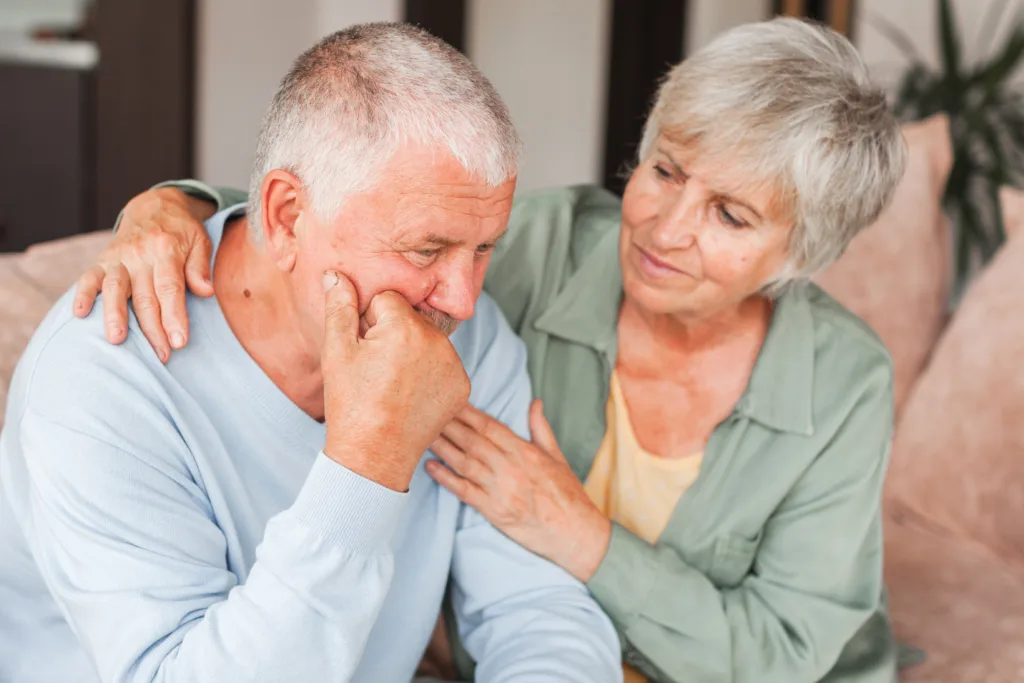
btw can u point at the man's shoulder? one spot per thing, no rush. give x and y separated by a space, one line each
69 363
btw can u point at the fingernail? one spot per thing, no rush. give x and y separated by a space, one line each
163 354
330 279
177 340
115 330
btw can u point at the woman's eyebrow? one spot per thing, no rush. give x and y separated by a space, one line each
723 196
671 159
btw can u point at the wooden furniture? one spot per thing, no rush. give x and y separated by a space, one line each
47 178
836 13
84 126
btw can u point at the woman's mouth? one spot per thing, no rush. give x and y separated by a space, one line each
653 266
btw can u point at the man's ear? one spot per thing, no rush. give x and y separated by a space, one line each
283 203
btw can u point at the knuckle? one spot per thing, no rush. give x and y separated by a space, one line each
145 303
167 288
166 245
114 282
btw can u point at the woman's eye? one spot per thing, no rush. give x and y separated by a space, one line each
729 219
662 172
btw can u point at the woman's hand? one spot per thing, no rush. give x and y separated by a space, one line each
160 247
525 489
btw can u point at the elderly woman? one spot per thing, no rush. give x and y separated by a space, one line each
715 430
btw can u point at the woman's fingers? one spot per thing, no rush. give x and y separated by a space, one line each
487 427
116 288
147 310
471 441
169 286
88 288
197 267
541 432
466 465
465 490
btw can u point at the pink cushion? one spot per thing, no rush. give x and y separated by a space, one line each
55 266
1012 202
897 274
22 307
958 457
956 602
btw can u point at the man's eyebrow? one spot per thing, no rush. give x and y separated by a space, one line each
499 238
723 196
435 240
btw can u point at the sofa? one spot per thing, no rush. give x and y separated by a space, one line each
954 498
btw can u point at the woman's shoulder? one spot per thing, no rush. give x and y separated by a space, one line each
852 367
575 217
551 234
840 331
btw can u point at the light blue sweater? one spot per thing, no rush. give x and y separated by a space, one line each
178 523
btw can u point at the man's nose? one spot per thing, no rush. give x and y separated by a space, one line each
455 292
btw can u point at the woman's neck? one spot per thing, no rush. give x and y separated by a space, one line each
650 343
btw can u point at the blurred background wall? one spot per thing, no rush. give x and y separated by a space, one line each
577 74
549 59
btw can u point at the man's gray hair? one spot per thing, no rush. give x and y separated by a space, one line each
350 102
788 105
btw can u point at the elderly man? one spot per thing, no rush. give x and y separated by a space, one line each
257 508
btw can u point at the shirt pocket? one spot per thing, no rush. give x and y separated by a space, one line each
733 558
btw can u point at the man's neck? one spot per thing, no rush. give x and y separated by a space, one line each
254 296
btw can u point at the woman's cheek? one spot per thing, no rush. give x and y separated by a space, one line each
723 257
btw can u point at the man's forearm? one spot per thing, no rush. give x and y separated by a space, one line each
172 610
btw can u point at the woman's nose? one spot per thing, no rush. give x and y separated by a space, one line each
681 218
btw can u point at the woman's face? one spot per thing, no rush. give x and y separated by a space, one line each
691 243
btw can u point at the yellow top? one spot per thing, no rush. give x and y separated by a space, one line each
635 488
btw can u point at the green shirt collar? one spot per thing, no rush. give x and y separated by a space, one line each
780 392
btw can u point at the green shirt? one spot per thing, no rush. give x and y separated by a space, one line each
770 568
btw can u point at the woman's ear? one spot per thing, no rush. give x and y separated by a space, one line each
282 202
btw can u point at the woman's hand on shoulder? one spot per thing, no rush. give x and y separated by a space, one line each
160 248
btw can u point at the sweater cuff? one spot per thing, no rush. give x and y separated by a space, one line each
625 578
193 188
347 509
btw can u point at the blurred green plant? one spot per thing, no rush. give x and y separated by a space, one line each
986 116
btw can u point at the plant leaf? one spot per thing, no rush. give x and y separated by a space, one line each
999 227
914 85
950 41
992 75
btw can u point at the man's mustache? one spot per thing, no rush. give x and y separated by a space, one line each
442 321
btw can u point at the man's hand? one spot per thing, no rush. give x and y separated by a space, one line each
160 248
388 393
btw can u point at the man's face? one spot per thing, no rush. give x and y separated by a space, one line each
426 231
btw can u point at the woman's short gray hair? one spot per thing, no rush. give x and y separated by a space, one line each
350 101
789 106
